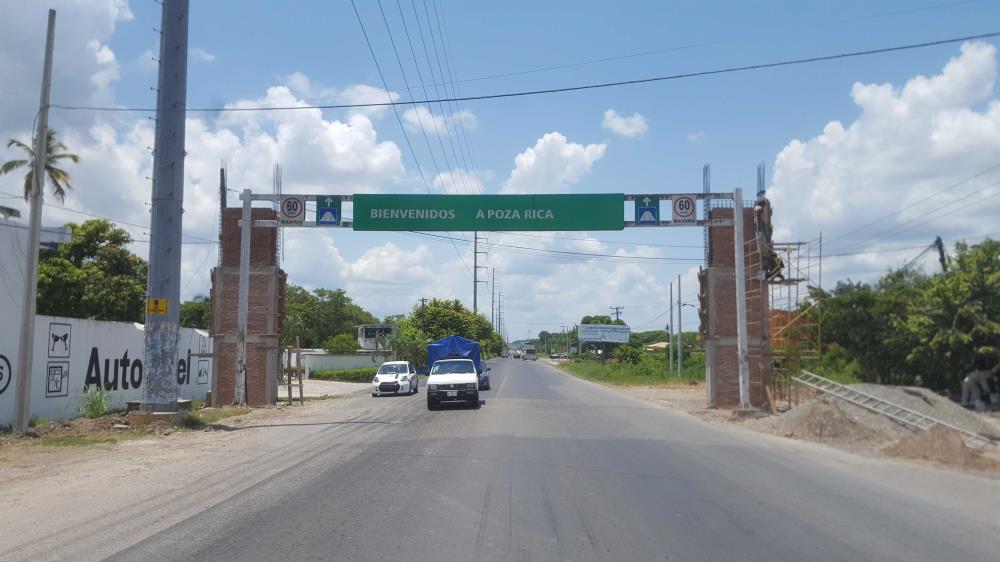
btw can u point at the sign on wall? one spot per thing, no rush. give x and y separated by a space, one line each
71 355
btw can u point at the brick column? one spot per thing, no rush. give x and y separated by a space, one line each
266 313
718 285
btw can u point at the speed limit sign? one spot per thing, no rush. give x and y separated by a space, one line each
684 208
293 210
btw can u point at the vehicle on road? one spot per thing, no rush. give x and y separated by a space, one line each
484 377
530 354
453 380
395 377
517 354
504 354
423 371
558 355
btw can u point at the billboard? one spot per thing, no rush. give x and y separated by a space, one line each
611 333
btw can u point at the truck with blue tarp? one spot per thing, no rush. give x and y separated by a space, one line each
457 371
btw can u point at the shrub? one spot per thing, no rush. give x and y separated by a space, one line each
94 403
628 354
346 375
343 343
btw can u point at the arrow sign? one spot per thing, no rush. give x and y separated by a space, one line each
327 213
647 209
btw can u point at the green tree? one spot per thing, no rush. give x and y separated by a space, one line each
196 313
314 317
55 151
341 343
94 275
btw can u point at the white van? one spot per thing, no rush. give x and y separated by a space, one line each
452 380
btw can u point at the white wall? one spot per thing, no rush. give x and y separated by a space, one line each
327 362
92 352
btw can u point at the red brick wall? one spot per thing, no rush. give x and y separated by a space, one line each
265 317
719 286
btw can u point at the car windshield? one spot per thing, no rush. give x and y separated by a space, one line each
449 367
391 369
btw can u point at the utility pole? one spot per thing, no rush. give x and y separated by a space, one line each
617 311
475 272
741 301
680 330
941 257
159 389
493 298
423 303
565 339
22 391
243 312
670 333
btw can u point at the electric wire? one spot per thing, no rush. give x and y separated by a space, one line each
564 89
399 120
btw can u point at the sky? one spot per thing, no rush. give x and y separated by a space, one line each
877 154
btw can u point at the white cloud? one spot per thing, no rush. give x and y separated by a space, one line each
198 54
304 88
552 165
905 148
458 181
147 61
84 69
696 137
634 126
438 123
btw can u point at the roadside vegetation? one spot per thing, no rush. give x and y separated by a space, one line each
436 319
648 369
910 328
345 375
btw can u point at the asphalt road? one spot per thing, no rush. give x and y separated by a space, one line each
552 468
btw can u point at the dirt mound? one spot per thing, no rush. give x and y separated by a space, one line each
944 446
828 420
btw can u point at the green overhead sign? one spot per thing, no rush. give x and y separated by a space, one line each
589 211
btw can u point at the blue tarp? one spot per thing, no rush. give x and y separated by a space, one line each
454 347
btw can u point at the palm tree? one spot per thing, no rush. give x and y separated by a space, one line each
58 177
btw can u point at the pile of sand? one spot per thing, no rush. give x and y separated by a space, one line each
944 446
832 421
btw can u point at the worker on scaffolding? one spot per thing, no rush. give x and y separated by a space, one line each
976 386
762 213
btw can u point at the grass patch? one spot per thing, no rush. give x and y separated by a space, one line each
346 375
650 371
94 403
201 418
35 422
102 438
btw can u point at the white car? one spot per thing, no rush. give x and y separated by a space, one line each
395 377
452 380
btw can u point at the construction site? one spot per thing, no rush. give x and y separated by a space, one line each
784 325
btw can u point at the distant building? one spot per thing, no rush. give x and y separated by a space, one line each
372 337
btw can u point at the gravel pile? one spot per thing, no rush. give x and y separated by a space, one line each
944 446
833 421
926 402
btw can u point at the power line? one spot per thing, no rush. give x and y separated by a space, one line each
919 202
399 120
594 86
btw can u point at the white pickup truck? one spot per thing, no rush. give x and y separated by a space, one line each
452 380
